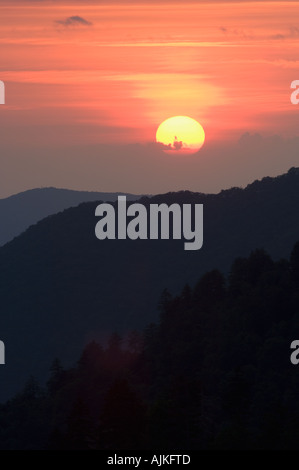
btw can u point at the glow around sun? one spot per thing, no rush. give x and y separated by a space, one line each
180 135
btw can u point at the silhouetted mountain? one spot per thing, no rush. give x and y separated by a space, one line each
60 286
215 372
21 210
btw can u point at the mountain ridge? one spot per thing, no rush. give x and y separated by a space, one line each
61 287
35 204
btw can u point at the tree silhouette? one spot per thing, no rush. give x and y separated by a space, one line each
80 428
123 418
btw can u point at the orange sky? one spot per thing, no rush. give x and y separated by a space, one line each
112 74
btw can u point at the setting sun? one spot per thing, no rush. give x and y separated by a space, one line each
180 134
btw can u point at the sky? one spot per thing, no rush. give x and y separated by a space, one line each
88 83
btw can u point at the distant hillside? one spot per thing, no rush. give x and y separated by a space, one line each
20 211
60 286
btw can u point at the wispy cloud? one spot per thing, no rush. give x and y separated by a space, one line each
74 21
236 32
293 33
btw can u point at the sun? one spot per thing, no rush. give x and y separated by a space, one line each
180 135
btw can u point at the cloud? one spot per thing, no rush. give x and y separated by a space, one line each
176 145
74 21
278 36
236 32
291 33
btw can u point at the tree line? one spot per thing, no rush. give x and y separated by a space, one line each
213 373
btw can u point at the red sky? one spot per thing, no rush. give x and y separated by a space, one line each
87 87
